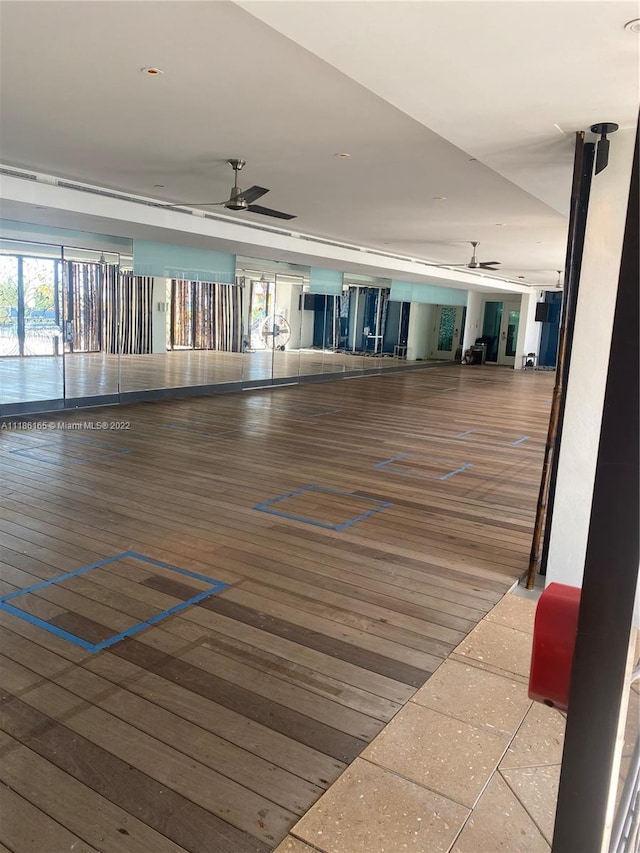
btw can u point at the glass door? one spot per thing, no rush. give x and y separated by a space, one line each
449 328
11 343
509 333
39 306
31 351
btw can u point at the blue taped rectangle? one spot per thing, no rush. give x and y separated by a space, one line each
265 506
389 465
33 452
216 586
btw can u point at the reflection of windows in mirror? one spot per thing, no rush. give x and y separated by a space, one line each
29 305
205 315
261 306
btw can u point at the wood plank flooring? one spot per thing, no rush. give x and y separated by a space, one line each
213 729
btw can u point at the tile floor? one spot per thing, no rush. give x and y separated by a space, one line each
469 765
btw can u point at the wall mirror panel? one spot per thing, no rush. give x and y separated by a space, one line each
91 317
31 324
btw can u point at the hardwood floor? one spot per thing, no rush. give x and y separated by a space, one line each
213 729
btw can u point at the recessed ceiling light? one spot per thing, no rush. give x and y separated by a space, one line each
159 186
520 276
440 198
152 71
343 155
500 224
39 207
633 26
473 159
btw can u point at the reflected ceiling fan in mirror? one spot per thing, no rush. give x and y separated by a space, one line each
474 263
239 199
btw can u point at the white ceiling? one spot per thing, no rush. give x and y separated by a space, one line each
454 99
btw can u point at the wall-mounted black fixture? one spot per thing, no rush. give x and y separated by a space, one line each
602 154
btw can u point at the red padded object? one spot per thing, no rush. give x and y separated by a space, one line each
554 640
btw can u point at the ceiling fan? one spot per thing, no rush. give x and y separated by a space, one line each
240 199
474 264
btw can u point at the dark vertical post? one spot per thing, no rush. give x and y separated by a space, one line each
610 577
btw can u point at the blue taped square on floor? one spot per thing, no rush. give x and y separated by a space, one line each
323 507
164 583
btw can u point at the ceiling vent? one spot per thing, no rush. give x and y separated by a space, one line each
14 173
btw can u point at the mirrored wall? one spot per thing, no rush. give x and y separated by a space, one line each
78 328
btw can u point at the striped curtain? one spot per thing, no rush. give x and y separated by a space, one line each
229 318
205 315
83 304
128 305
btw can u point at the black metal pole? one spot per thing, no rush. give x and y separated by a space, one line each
598 679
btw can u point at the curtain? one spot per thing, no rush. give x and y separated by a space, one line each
128 304
83 300
205 315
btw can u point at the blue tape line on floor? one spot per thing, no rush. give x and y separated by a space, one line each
216 586
73 574
393 459
159 617
388 465
520 440
53 629
168 566
457 471
364 515
265 506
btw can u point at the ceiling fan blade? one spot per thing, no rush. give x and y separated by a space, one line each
266 211
489 266
195 204
253 194
489 263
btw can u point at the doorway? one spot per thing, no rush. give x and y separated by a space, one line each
509 333
500 331
449 329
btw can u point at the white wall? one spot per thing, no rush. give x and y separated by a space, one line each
420 335
528 330
295 315
306 329
473 325
589 363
